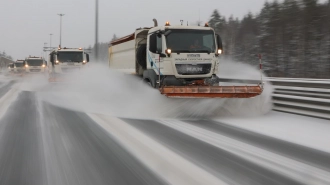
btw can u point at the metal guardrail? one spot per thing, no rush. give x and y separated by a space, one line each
308 97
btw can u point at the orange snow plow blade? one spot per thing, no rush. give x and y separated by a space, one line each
58 79
211 91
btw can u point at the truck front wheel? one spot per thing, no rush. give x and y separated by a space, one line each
151 76
147 82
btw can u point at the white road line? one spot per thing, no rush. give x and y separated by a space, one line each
302 172
162 161
6 100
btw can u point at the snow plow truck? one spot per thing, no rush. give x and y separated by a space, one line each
65 61
180 61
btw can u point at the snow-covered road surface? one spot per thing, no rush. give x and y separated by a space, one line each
42 143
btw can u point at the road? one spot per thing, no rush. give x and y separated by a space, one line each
44 144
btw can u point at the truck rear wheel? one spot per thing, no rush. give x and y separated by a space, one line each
141 56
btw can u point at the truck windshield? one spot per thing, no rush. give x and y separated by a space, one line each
70 56
191 41
35 62
19 64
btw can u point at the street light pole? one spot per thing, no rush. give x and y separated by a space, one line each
96 29
45 52
50 43
61 15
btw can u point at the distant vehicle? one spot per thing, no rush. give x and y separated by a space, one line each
11 68
19 66
65 61
181 61
35 65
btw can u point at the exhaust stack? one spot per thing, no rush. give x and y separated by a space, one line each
155 22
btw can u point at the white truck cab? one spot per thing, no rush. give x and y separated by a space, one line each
11 67
19 66
35 65
65 61
169 55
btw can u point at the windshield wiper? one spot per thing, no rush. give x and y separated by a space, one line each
182 51
204 50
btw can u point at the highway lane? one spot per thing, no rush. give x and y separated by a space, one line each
4 88
44 144
301 153
217 161
21 152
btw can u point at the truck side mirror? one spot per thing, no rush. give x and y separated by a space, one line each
153 43
162 55
219 42
87 57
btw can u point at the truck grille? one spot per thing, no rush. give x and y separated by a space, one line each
70 70
189 69
35 70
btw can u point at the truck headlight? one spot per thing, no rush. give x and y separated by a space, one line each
168 51
43 65
84 61
57 62
219 51
26 65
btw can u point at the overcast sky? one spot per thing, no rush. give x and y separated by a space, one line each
25 25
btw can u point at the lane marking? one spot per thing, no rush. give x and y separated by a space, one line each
296 170
168 165
6 101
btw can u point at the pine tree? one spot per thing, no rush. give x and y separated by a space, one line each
291 33
231 31
217 22
327 40
293 36
114 37
266 38
248 39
